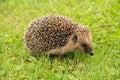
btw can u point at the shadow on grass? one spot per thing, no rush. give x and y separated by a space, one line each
76 55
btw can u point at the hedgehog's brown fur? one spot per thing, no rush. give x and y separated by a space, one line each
56 34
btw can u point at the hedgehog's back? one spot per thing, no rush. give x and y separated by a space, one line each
48 33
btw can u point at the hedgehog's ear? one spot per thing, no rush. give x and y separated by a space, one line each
75 38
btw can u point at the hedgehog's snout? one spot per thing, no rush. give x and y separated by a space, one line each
87 48
89 51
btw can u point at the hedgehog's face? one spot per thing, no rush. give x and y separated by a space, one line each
83 41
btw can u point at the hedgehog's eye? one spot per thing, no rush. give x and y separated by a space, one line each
75 38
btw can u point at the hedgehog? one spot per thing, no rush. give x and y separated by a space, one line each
56 34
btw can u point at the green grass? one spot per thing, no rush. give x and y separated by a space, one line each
102 17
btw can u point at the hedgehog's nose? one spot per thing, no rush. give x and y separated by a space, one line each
91 53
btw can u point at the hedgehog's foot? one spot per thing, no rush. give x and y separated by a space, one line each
52 56
34 54
62 56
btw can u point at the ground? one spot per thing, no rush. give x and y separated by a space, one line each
101 16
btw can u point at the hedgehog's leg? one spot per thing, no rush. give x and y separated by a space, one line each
52 56
62 56
35 55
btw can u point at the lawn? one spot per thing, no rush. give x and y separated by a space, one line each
101 16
